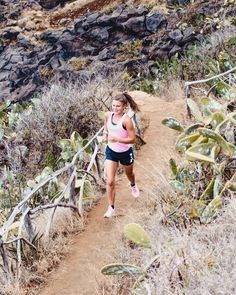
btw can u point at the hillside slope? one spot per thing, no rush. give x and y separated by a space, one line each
80 271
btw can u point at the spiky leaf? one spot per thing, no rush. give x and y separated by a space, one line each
173 166
173 124
88 148
211 103
230 42
51 159
208 193
184 143
13 229
120 268
1 132
203 152
5 105
197 208
192 128
177 186
135 233
232 187
88 192
232 117
211 210
218 138
217 118
195 110
217 185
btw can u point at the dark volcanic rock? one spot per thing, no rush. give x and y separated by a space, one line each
135 25
176 49
48 4
178 2
154 21
23 42
107 53
100 34
9 34
71 43
1 46
176 36
26 67
51 36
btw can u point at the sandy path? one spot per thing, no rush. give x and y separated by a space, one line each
77 274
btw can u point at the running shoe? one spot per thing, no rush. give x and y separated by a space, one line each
110 212
135 191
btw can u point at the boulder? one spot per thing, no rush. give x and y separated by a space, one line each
107 53
51 36
22 41
71 44
48 4
23 93
178 2
78 25
155 21
9 34
188 36
100 34
135 25
175 50
176 36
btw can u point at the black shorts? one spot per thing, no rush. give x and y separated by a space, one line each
125 158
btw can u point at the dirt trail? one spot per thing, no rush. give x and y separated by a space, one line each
91 250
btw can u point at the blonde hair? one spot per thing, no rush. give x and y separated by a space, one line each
125 98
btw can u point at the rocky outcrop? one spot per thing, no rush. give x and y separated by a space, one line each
129 37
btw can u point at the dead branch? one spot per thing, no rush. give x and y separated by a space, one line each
49 206
23 239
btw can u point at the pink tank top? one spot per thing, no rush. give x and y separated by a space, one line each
117 130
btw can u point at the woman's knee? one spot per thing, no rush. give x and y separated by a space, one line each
111 182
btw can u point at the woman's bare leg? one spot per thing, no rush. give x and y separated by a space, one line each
129 173
111 168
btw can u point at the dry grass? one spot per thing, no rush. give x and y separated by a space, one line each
172 90
57 112
51 252
198 260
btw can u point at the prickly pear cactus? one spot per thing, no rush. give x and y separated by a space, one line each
120 268
173 124
135 233
218 138
204 152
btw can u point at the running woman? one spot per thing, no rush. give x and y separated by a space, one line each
119 132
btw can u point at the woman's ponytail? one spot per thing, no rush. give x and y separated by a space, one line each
127 99
131 102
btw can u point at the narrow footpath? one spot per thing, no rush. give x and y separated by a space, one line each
79 272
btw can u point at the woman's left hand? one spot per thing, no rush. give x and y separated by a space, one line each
113 139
